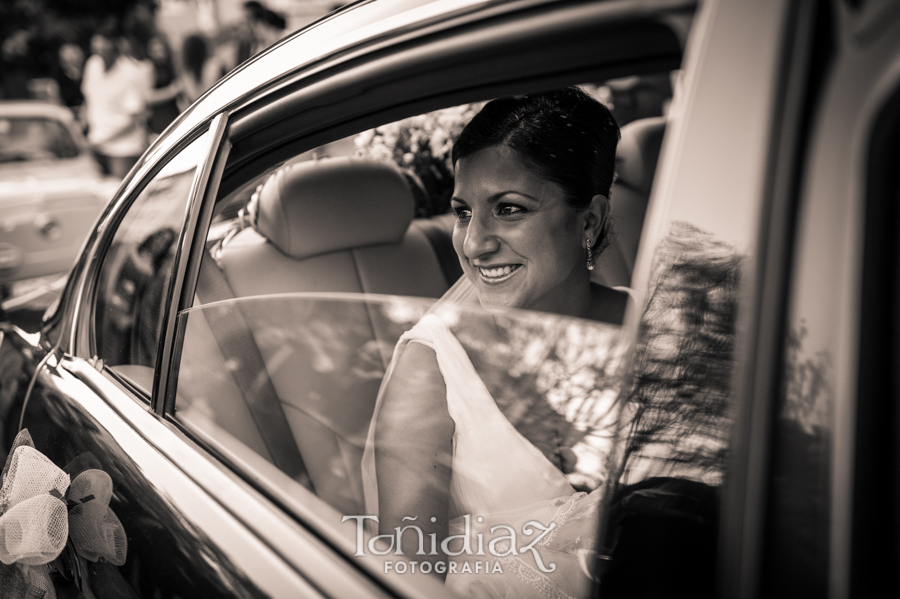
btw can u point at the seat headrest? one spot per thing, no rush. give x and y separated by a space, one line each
638 152
332 204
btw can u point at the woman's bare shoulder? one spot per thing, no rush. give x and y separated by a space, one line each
416 390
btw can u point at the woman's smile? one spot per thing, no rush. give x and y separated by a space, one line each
498 274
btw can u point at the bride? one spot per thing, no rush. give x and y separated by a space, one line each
532 183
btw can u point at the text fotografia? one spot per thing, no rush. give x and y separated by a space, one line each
503 542
413 566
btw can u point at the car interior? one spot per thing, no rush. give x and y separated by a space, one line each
329 221
339 224
308 251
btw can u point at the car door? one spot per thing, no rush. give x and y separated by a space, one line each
506 52
711 271
831 524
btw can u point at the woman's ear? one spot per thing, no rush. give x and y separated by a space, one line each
595 217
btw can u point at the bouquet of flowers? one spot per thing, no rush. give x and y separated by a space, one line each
54 521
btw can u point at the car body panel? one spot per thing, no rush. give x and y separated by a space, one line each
164 512
829 264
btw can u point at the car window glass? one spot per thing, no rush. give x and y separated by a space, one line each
134 278
320 360
660 532
315 269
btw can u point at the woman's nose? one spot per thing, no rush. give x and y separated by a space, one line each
481 239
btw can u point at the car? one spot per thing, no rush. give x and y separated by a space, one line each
51 191
219 344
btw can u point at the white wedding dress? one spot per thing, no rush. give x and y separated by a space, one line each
500 479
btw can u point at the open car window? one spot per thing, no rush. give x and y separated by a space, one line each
313 272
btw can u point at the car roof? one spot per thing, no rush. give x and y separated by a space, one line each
26 108
354 28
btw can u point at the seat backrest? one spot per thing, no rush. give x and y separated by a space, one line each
334 225
338 225
636 158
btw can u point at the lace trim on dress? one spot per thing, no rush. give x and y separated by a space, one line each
562 514
528 574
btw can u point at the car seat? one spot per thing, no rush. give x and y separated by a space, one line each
636 158
333 225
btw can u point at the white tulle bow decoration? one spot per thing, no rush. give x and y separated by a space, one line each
35 524
95 530
41 513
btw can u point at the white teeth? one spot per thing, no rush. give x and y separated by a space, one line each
497 272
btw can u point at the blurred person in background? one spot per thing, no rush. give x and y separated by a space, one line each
116 87
264 27
201 69
167 86
270 28
14 67
248 45
68 73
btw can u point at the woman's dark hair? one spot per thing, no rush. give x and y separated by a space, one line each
194 54
567 136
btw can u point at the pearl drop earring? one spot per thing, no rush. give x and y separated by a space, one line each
590 255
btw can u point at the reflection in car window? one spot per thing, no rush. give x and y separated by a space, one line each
661 526
138 266
681 395
555 380
34 139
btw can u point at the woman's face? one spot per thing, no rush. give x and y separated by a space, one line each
517 239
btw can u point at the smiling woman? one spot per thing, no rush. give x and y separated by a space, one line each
440 452
532 199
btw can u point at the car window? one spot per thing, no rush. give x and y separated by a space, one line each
137 268
35 138
315 269
320 360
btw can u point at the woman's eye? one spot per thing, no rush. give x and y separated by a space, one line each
509 210
462 212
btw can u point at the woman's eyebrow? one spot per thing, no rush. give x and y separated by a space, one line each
498 196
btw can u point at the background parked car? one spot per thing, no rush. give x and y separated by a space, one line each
51 191
747 442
